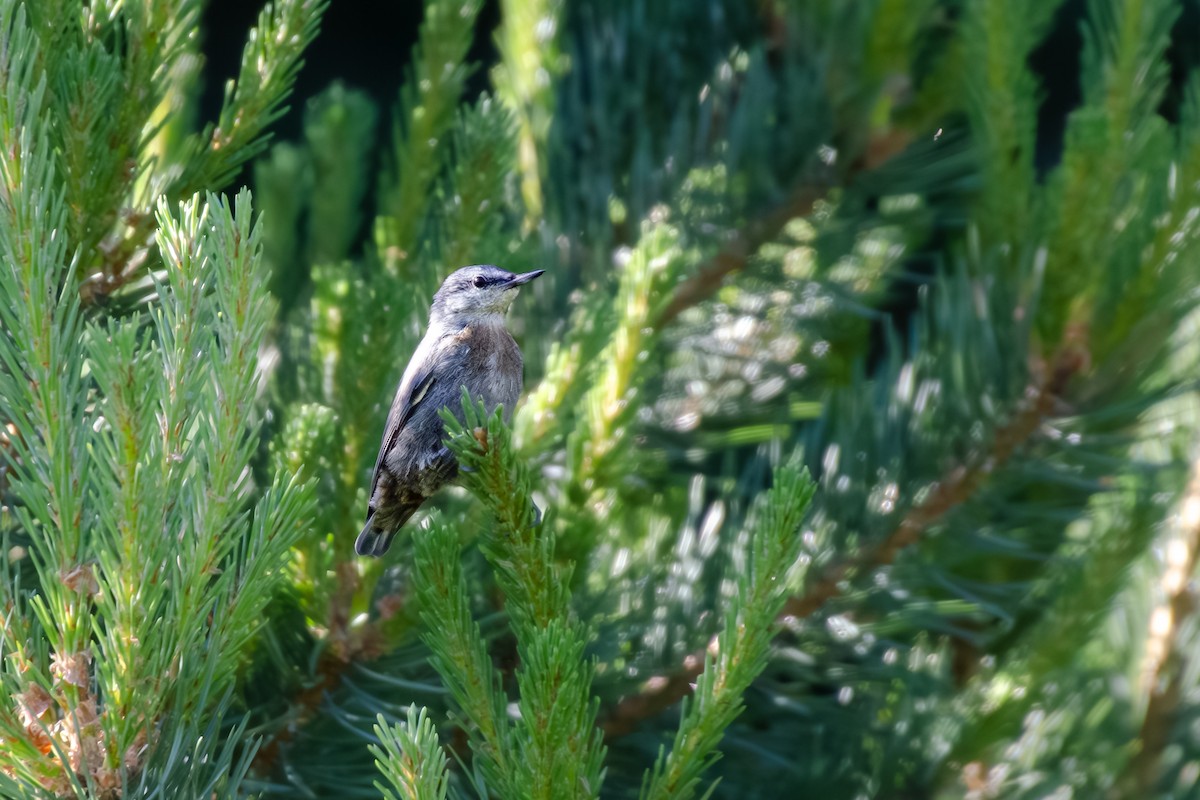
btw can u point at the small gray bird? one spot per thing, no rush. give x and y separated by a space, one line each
466 345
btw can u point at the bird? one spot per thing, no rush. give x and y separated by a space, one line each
466 344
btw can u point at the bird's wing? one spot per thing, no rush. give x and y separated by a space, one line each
408 397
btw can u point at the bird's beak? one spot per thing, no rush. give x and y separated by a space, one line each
525 277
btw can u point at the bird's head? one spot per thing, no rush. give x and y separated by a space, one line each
479 291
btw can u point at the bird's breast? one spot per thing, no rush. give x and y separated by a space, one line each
492 364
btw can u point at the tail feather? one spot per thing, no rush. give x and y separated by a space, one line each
374 541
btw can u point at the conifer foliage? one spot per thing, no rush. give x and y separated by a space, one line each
139 550
857 454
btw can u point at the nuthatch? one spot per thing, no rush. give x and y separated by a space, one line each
466 345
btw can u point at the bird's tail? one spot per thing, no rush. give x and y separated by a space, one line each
374 541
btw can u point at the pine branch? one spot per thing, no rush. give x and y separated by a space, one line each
209 159
460 656
1163 662
1164 665
1117 131
328 675
483 156
530 60
1086 580
104 105
559 750
746 242
339 129
253 101
600 435
739 653
411 759
41 393
283 184
125 608
427 109
958 486
1000 94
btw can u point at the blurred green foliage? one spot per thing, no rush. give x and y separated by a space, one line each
857 445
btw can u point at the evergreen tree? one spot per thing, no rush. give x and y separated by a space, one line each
858 444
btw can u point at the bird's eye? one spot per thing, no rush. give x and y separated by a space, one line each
479 281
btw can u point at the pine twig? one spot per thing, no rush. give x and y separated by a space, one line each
122 258
803 200
959 485
329 672
1162 665
411 758
740 652
335 662
558 751
956 488
733 256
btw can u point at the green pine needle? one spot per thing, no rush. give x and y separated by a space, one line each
410 758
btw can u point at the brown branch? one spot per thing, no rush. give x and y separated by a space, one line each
957 487
1163 663
344 648
734 256
122 257
330 671
664 691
